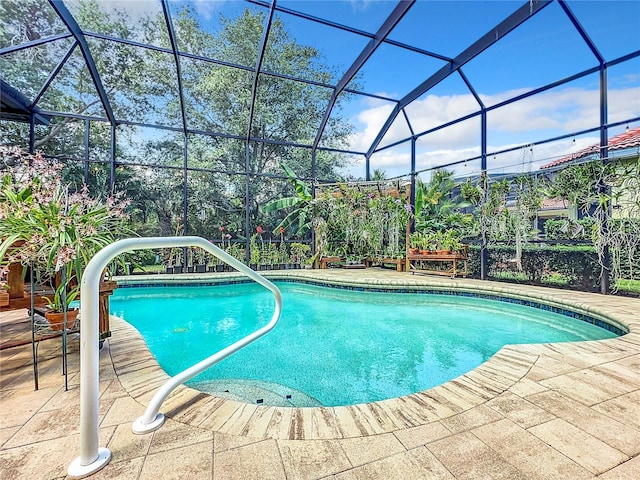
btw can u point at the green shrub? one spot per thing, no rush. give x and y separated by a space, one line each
574 267
626 285
567 229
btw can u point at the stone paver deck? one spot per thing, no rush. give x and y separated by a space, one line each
565 411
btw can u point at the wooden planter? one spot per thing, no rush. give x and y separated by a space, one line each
106 289
4 298
15 281
15 277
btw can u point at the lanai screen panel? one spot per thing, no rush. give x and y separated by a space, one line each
536 82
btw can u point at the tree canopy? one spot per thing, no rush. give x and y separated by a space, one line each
225 164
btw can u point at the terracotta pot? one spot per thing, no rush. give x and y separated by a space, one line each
56 319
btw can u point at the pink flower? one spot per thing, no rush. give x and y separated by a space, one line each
221 229
259 229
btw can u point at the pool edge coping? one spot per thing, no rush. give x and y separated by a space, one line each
490 379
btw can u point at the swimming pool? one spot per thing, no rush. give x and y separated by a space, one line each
332 347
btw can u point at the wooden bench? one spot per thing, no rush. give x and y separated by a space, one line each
413 260
398 262
324 261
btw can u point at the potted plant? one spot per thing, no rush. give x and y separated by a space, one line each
450 241
300 253
59 228
59 306
201 266
416 243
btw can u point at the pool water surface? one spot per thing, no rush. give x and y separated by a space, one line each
331 346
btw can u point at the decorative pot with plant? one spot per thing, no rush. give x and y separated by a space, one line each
59 305
416 243
59 228
300 253
450 241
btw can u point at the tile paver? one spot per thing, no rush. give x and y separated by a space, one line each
583 448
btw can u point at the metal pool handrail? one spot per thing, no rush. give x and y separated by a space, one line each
92 458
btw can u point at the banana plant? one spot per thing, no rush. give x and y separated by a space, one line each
298 220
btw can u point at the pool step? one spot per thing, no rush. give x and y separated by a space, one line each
257 392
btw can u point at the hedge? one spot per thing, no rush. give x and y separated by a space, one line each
573 267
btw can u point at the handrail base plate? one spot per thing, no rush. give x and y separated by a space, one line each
77 470
140 428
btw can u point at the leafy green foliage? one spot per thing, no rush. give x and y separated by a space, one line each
574 267
439 209
298 220
227 177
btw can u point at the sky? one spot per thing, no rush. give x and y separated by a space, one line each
545 49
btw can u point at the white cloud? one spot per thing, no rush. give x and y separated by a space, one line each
206 8
359 5
372 119
545 115
134 8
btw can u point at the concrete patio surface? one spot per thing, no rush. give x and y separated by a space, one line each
544 411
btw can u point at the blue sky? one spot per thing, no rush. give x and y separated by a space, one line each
545 49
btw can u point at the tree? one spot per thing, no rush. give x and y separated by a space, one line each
141 85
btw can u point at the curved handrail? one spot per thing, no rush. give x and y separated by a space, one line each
92 458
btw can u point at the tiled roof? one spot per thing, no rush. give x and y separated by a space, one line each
628 139
554 204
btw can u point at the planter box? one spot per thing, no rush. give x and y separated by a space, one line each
201 268
15 281
4 298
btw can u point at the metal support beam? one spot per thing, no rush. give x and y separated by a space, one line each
471 89
392 20
185 191
176 58
406 119
76 31
33 43
53 74
582 31
604 154
247 200
112 160
32 132
484 268
526 11
87 126
256 76
254 91
412 198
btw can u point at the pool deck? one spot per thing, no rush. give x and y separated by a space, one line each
545 411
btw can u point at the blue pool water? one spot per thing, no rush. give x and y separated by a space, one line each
331 346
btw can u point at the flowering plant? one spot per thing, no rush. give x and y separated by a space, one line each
57 302
44 224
